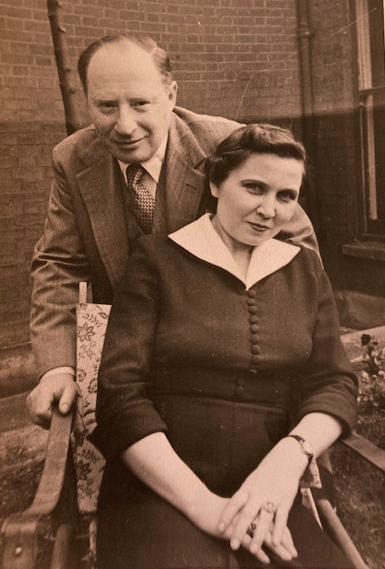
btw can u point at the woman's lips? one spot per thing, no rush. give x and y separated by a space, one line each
259 227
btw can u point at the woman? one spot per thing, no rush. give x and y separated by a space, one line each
222 376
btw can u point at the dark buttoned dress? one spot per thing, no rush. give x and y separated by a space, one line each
225 368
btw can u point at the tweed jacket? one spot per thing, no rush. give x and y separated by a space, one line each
185 321
86 237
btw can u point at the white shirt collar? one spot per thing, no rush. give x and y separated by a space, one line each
153 166
201 239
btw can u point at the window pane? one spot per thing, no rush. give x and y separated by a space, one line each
370 29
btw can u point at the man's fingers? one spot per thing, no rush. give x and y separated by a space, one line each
67 399
40 408
61 389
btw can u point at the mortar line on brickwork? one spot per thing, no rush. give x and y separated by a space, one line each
289 57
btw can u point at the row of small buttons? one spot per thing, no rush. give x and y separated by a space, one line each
254 340
254 328
239 390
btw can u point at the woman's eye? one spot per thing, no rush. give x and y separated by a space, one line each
254 188
287 196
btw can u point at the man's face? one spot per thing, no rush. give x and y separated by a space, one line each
128 101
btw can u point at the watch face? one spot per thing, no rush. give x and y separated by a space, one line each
307 448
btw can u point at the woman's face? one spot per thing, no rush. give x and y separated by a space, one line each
257 199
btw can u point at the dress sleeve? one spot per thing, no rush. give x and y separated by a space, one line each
330 384
124 410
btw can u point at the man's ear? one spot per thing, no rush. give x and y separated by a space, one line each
214 189
173 90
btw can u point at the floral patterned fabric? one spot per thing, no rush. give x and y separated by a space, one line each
91 328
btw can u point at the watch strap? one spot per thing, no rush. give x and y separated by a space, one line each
305 447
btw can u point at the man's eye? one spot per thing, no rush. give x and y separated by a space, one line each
107 106
141 103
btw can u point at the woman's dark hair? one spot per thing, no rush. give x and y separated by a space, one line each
160 57
248 140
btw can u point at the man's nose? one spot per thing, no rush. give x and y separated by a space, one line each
126 123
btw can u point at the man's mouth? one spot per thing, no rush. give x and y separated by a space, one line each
128 142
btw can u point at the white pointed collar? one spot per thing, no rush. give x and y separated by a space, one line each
201 239
152 166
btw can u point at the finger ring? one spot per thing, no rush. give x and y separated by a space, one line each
251 529
268 507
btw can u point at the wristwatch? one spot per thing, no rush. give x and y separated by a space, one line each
305 447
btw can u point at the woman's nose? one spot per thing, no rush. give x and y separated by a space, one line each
125 124
267 208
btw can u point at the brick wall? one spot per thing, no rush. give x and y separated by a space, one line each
30 123
235 58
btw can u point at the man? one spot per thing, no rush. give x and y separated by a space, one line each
95 214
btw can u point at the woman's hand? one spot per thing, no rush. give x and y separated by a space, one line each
208 512
262 504
156 464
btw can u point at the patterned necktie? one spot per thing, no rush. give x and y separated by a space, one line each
141 202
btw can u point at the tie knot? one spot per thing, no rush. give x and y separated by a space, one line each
140 200
134 173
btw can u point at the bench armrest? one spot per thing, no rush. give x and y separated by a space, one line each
20 530
366 450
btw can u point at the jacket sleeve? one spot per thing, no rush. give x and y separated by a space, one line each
59 264
300 231
329 384
124 410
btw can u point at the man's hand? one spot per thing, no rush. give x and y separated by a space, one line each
60 389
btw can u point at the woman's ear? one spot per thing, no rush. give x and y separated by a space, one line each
214 189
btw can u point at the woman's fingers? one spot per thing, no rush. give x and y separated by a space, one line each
243 525
280 523
235 504
262 526
285 549
260 554
288 543
255 521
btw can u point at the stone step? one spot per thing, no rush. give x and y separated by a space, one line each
22 452
14 412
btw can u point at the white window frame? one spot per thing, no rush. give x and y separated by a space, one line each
366 95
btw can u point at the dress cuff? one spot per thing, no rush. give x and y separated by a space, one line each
311 477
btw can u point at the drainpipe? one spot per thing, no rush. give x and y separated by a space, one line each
308 120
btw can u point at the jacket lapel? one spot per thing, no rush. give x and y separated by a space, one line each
100 185
184 180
